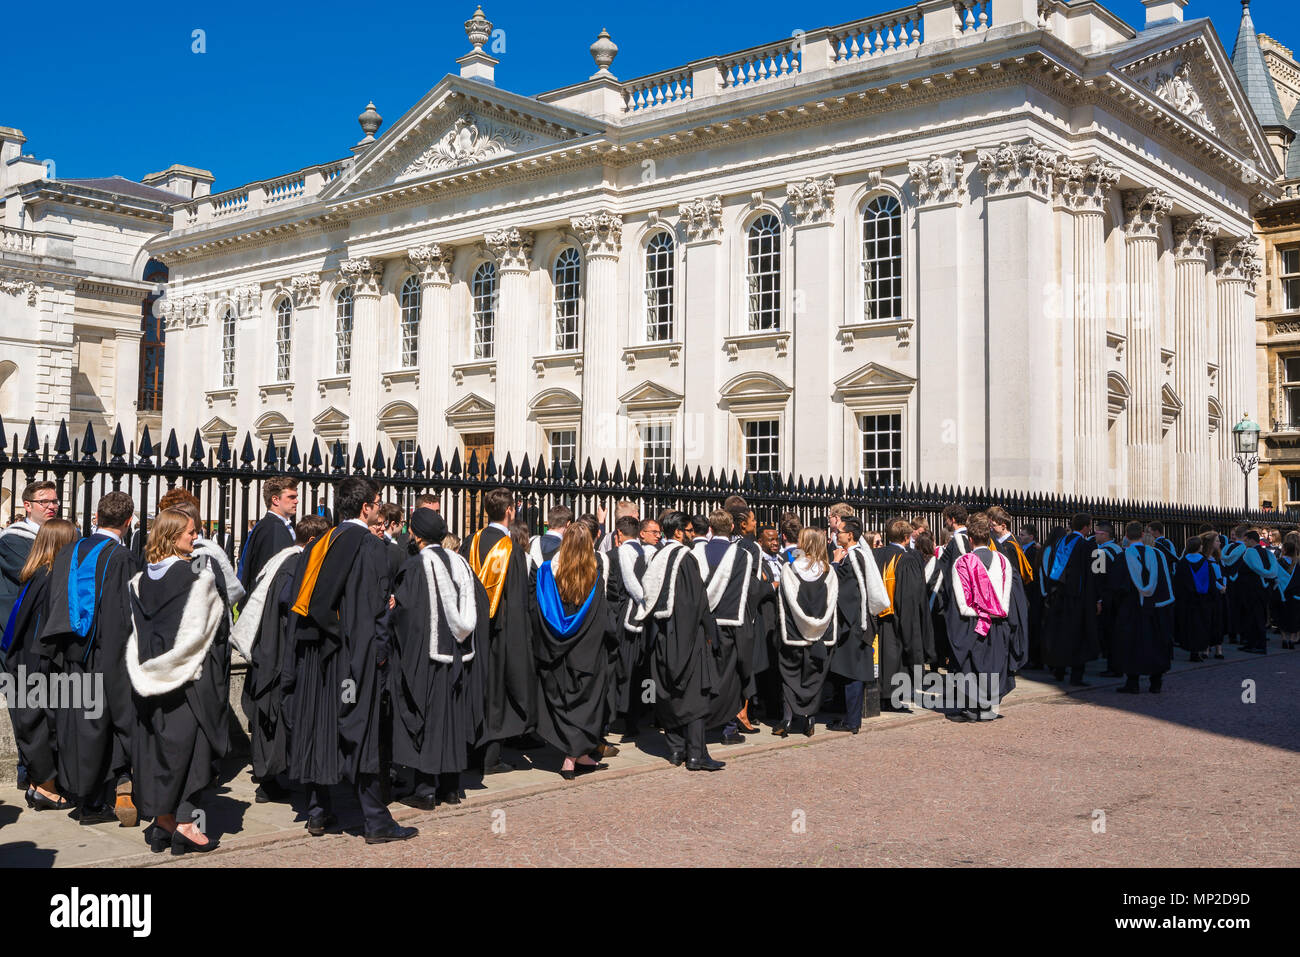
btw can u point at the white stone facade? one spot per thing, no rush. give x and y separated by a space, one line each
1072 204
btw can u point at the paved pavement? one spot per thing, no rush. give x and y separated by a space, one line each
1193 776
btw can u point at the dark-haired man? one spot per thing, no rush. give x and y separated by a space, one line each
903 624
335 659
1033 552
1257 576
626 595
1157 530
1105 552
273 533
1069 602
85 636
511 689
1142 590
861 598
544 546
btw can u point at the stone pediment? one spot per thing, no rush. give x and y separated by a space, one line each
1191 76
873 380
456 127
330 416
650 396
216 427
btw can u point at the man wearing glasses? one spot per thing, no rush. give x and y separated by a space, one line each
40 502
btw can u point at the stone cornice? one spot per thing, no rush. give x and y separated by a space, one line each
938 179
601 233
432 261
1085 188
512 248
702 219
1020 168
1144 212
1193 237
812 201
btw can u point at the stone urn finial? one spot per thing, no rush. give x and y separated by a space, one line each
370 122
603 52
478 28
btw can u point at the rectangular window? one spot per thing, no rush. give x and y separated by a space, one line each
763 447
228 351
283 334
656 448
407 449
1293 488
1290 276
882 450
564 447
1289 387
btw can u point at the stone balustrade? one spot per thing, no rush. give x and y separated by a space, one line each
283 191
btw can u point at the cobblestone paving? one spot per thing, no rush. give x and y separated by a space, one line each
1193 776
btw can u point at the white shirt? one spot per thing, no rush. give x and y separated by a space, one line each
109 533
504 530
288 523
357 521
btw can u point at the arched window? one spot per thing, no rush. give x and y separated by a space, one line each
763 272
410 302
343 332
228 350
659 288
483 289
283 334
568 293
882 259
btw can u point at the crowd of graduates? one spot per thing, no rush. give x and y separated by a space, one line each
395 660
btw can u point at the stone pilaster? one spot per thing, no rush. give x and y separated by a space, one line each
363 412
1238 270
601 235
811 213
1192 240
702 331
433 352
512 249
1144 213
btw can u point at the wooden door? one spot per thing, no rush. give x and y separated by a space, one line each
479 444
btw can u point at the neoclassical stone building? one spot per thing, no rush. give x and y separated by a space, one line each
998 243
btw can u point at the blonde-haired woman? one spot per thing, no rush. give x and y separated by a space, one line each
808 630
177 658
573 632
24 657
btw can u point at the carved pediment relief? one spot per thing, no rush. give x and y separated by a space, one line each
470 140
1178 90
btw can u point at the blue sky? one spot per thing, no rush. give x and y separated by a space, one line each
115 88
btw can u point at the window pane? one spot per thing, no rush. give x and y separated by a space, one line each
568 292
1293 488
564 447
1290 260
410 302
1291 399
656 448
882 450
659 288
882 259
1291 368
228 350
1291 292
343 333
283 334
763 271
484 292
762 447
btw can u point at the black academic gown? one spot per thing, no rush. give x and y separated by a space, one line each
511 678
1143 638
626 572
1069 636
32 719
331 680
178 735
958 545
263 699
437 694
682 664
574 672
94 748
909 624
805 661
1195 608
854 656
732 611
987 655
269 537
15 545
1034 599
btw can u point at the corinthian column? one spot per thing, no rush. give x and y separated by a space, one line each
1144 211
1237 272
512 249
1192 239
601 234
1085 190
433 353
363 414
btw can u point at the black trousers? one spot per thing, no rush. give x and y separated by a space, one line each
446 783
374 810
688 739
891 654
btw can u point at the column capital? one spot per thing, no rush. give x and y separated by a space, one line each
1084 186
303 289
512 248
812 202
362 276
702 219
938 179
601 233
1238 260
1019 168
1144 211
1193 236
433 263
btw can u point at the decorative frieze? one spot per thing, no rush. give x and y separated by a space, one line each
361 276
939 179
433 263
511 248
601 233
1085 187
702 219
19 287
1019 168
1145 211
812 202
1193 237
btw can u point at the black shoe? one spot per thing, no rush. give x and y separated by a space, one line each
733 739
1256 651
1156 685
1078 683
99 815
1128 688
1058 674
704 764
159 840
630 733
581 769
1112 674
39 802
423 802
961 717
392 832
1219 656
809 728
316 826
182 844
890 709
676 759
448 797
841 726
268 792
781 731
499 768
528 742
